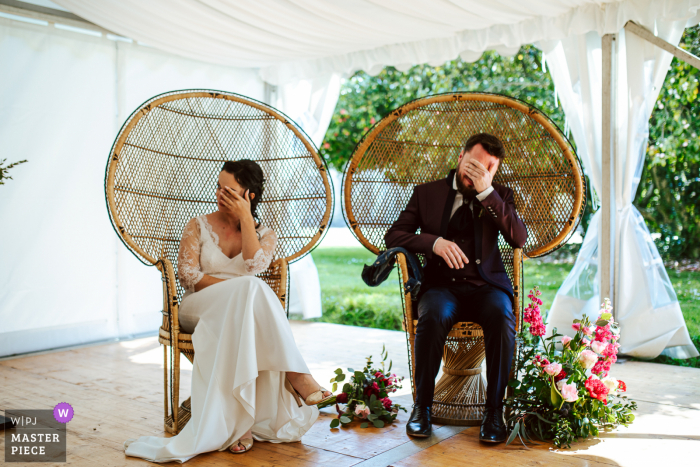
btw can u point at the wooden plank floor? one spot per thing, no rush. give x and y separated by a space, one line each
117 392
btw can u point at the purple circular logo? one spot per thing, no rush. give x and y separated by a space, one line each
63 412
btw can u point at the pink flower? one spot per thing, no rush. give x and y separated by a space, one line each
386 402
598 347
552 369
565 341
372 121
587 359
361 410
585 342
568 391
603 333
599 368
611 350
576 326
538 329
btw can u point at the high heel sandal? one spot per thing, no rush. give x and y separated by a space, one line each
314 398
247 444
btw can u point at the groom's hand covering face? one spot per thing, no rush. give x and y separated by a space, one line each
475 170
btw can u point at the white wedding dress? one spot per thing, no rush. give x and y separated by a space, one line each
243 346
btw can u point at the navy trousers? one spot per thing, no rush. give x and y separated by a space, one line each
439 309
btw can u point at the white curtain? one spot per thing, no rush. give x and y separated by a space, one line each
66 278
311 104
647 308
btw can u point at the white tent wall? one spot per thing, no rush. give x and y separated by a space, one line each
311 104
66 278
647 309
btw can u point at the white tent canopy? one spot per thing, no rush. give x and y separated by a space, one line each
301 47
292 40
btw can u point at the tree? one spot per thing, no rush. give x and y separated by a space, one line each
669 192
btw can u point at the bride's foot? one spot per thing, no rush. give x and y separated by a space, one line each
242 445
306 387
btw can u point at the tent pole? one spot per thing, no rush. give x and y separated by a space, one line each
677 52
607 234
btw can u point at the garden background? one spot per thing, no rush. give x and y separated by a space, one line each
668 195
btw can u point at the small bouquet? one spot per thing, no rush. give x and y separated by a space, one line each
366 395
567 394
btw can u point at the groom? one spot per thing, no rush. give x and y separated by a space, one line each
459 218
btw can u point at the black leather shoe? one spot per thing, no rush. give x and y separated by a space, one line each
493 427
419 423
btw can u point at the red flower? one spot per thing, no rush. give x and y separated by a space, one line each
386 402
562 374
342 398
622 386
596 389
372 389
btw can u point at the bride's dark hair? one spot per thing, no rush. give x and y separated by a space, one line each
250 176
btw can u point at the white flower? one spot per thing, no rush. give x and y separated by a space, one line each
611 383
587 359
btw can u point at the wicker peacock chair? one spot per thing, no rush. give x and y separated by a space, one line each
162 172
419 142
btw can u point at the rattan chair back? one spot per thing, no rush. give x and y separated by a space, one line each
420 142
163 169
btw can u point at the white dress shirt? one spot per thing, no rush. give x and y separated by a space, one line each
459 200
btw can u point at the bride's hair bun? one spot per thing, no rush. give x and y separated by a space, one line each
249 175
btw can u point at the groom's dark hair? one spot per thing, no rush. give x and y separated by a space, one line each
250 176
490 143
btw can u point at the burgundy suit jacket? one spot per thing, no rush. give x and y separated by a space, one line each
429 210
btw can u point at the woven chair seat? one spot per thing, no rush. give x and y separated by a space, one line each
419 142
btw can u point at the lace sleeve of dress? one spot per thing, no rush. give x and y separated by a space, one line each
263 257
188 269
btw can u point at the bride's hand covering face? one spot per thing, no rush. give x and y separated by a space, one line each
232 203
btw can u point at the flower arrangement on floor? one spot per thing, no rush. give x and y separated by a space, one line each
567 394
366 395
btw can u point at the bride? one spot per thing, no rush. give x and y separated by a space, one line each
248 377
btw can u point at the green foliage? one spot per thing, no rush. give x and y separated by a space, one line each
366 394
5 168
669 192
346 299
537 407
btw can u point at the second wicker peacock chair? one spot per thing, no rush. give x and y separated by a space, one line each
419 142
162 171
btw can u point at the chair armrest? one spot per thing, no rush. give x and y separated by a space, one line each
170 302
407 302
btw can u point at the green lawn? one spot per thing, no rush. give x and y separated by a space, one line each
347 300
